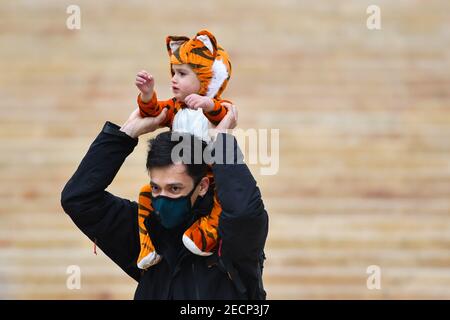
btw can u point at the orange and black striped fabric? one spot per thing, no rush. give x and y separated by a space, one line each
154 107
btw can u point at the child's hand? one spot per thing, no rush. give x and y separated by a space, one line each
145 83
195 101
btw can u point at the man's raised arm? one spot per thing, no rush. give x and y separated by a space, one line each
243 224
108 220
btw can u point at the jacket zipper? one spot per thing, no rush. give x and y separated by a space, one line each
197 295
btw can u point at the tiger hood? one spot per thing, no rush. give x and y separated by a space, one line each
208 60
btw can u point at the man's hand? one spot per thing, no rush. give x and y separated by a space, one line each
195 101
228 122
136 125
145 83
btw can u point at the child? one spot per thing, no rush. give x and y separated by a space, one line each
200 72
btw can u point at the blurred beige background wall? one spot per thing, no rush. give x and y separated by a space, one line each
364 120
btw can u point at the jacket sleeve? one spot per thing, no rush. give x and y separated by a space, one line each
243 224
108 220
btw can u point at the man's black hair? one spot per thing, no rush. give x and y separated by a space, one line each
160 151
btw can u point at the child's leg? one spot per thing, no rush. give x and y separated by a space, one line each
202 237
148 256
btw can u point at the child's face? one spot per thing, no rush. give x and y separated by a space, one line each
184 81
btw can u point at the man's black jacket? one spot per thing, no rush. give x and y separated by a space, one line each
112 223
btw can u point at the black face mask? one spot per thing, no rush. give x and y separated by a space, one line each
173 212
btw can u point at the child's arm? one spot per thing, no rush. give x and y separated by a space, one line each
212 108
149 106
154 107
217 113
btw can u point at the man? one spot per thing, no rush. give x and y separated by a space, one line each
234 271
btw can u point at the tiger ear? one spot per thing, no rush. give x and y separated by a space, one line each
208 40
174 42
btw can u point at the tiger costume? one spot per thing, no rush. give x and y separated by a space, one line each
211 64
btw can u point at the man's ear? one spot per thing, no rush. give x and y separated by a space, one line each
204 186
